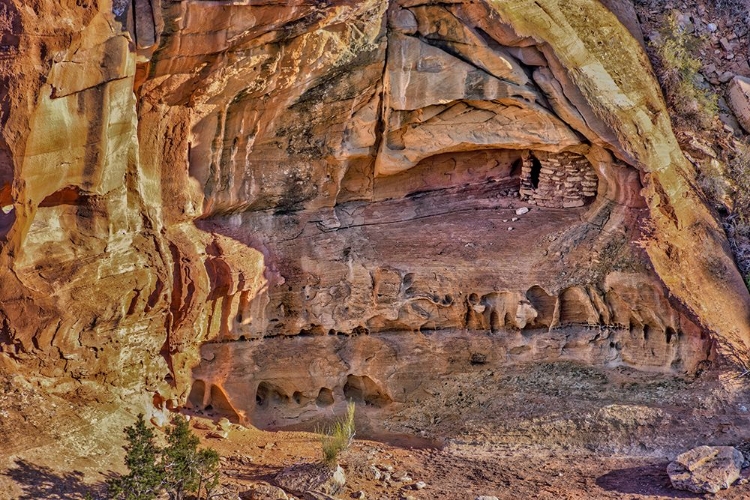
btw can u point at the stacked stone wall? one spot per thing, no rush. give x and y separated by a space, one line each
562 180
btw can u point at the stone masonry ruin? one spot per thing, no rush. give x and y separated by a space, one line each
557 180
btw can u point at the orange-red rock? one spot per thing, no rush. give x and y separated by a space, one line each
179 172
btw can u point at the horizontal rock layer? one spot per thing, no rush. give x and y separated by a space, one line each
282 382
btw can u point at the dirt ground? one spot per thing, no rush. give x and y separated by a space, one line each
250 456
455 472
559 431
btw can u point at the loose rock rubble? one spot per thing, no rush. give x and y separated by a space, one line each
264 491
723 27
316 477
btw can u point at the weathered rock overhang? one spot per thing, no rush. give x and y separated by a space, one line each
213 171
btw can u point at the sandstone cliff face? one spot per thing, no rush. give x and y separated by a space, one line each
173 173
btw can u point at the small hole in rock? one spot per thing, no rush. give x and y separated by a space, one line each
516 167
364 389
478 359
408 279
197 393
670 334
361 330
325 397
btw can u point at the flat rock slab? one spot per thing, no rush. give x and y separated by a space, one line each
739 100
706 469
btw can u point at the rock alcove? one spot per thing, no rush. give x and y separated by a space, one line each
293 195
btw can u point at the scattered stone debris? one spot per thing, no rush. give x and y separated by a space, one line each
301 478
218 434
372 473
317 495
522 210
264 491
203 424
706 469
242 459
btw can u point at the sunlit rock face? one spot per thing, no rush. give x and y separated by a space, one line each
369 177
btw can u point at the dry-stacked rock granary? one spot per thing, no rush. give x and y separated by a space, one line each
181 172
558 181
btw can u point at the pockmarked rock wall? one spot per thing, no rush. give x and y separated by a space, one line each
180 172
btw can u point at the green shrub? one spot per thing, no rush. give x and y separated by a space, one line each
338 438
144 482
209 471
187 469
179 459
678 71
179 469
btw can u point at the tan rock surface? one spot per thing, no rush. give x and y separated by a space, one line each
173 173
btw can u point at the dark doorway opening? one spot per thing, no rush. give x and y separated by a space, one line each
536 171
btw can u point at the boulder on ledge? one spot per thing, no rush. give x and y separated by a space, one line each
706 469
